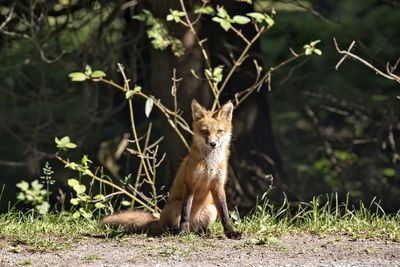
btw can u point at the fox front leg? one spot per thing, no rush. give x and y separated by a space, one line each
186 209
218 193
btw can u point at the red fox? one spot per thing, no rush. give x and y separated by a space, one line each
197 195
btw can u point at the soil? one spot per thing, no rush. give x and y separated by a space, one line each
139 250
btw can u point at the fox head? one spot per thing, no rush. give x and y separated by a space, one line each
212 130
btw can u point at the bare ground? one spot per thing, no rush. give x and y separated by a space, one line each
139 250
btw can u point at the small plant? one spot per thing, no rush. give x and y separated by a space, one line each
35 195
85 204
47 178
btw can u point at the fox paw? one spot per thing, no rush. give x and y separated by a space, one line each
233 235
185 227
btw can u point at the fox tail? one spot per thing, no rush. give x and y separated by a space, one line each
134 221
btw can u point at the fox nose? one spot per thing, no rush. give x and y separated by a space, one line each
213 144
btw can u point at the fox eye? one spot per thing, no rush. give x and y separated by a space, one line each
204 131
220 131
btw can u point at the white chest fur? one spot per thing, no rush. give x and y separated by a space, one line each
214 163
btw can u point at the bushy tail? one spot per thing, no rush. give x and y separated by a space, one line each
135 221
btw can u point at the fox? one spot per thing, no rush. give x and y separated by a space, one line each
197 195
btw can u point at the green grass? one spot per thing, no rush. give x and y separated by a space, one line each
326 218
51 232
264 226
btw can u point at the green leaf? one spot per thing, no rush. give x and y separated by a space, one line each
23 185
77 76
99 205
217 74
70 145
85 160
317 51
64 143
36 186
74 201
87 172
99 197
310 48
177 47
21 196
85 213
217 19
225 24
73 182
76 215
241 19
72 166
221 12
389 172
148 106
129 94
257 16
269 20
65 140
208 10
126 203
79 189
88 70
175 15
43 208
313 43
98 74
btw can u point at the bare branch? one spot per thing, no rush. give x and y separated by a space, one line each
8 18
347 53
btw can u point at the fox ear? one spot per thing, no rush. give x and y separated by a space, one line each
198 111
225 112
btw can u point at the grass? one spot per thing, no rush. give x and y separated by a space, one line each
264 226
323 218
51 232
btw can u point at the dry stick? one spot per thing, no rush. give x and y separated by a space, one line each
161 107
191 27
347 53
200 43
174 90
238 62
139 172
167 113
8 18
240 34
267 77
133 126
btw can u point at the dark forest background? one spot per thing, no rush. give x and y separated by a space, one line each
318 131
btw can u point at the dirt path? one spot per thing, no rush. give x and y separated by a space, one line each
299 250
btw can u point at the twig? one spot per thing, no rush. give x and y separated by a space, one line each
347 53
8 18
242 95
237 63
